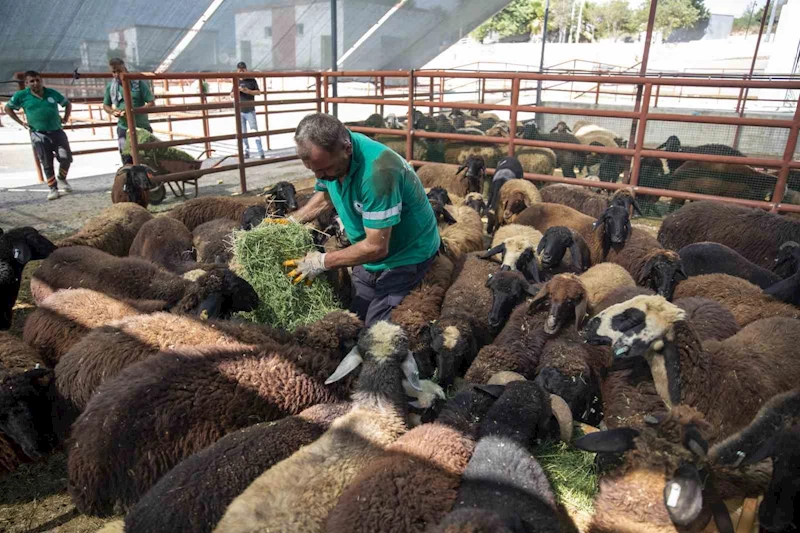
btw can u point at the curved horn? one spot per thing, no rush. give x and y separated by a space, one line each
500 248
563 414
348 364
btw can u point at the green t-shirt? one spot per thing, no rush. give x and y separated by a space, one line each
141 94
381 190
42 112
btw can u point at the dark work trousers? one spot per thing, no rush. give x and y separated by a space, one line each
122 137
47 144
376 294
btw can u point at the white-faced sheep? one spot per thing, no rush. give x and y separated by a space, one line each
281 200
297 494
517 245
233 386
17 247
755 234
112 231
463 327
213 240
744 370
465 235
415 484
746 301
193 496
132 184
714 258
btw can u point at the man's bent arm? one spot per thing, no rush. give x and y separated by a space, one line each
67 112
373 248
13 114
316 205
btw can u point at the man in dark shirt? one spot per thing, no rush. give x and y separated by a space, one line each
248 88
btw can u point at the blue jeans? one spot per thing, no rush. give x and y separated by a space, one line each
249 118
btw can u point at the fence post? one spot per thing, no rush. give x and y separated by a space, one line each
383 94
237 113
512 127
410 130
325 88
430 97
637 149
318 88
130 117
788 154
266 111
206 128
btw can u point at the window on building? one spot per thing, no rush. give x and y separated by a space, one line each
299 29
268 32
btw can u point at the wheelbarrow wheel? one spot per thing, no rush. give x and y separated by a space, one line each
158 194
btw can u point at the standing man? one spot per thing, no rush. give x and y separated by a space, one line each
44 123
383 207
114 102
248 89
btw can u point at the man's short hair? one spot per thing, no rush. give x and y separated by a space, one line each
116 62
241 64
322 130
32 74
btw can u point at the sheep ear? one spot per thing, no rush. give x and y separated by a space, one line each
500 248
581 256
765 451
533 272
554 129
610 441
495 391
542 244
411 371
662 145
533 289
21 253
448 217
695 442
461 169
580 312
681 273
683 495
569 130
348 364
636 208
596 223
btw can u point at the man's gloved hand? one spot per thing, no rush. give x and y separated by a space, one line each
270 220
306 268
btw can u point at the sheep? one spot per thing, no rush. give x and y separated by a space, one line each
578 198
166 242
651 174
536 159
509 168
192 213
211 240
720 179
193 496
772 434
218 291
673 144
571 296
235 386
566 159
463 326
753 233
17 247
132 184
556 243
66 316
439 175
465 235
298 493
440 194
112 231
592 133
444 217
502 476
474 201
746 301
513 197
659 487
518 245
744 370
420 308
415 484
107 350
788 261
786 290
714 258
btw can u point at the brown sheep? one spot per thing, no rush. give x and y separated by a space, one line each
463 237
439 175
66 316
576 197
213 240
536 160
112 231
132 184
514 197
746 301
721 179
165 242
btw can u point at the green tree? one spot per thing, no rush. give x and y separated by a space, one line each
670 15
612 19
516 18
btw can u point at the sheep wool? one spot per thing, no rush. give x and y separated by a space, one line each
164 241
112 231
465 236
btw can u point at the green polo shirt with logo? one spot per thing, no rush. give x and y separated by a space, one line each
42 112
381 190
140 94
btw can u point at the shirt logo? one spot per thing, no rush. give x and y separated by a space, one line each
359 207
51 100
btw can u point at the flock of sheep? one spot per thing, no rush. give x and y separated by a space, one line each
721 179
181 417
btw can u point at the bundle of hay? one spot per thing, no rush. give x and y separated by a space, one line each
159 159
258 256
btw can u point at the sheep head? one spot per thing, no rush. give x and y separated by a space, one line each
672 144
25 411
474 168
475 201
509 288
441 213
515 204
661 272
217 294
788 260
626 198
253 216
616 226
454 345
568 300
554 245
561 127
283 195
440 194
563 370
137 182
335 333
517 254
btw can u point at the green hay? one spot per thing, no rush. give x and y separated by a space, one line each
151 157
258 256
572 473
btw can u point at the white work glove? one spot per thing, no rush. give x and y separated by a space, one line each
306 268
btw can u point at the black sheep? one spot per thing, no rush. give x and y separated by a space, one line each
714 258
566 159
17 247
673 144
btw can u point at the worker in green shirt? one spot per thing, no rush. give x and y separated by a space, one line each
384 210
114 102
44 123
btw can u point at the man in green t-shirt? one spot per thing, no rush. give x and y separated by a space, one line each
44 123
384 210
114 102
